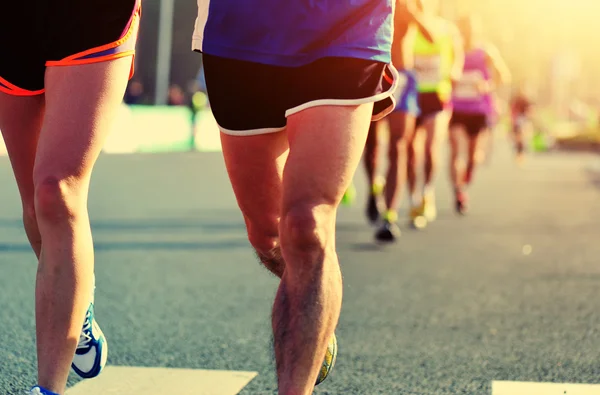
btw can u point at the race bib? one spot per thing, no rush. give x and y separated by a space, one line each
429 69
468 86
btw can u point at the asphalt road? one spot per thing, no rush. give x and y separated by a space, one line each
510 292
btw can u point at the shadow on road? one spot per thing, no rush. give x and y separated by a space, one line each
366 247
146 246
150 225
350 226
168 224
594 177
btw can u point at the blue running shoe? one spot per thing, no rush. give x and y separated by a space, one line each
92 349
37 390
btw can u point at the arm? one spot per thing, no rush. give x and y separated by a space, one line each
407 14
498 65
458 58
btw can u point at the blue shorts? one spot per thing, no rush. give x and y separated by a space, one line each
408 94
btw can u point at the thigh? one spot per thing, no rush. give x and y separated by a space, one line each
373 135
20 123
455 132
326 143
477 131
255 167
436 127
475 124
81 103
402 125
89 49
430 126
460 125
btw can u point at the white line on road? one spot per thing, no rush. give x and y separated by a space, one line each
528 388
124 380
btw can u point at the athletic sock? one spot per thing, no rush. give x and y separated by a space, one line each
391 216
378 185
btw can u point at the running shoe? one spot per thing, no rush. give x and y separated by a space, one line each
417 219
92 349
374 200
373 212
329 361
37 390
389 232
429 210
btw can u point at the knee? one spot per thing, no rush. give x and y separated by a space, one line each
430 148
263 239
306 228
454 155
430 142
29 216
410 153
399 143
453 148
370 151
56 200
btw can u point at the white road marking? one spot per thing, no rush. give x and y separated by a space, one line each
125 380
530 388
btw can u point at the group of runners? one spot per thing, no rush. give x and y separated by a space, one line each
297 88
451 76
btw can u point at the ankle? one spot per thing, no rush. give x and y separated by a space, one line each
391 216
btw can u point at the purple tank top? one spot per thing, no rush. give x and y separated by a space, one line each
466 96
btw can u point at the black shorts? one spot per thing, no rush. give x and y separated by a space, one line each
473 123
37 34
250 98
430 105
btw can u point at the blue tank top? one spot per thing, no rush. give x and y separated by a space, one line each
295 32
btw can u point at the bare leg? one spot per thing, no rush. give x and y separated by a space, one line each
308 301
411 165
255 168
371 153
456 166
371 158
474 144
81 102
434 128
21 123
518 137
401 130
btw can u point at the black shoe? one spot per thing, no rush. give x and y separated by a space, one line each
373 213
388 232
